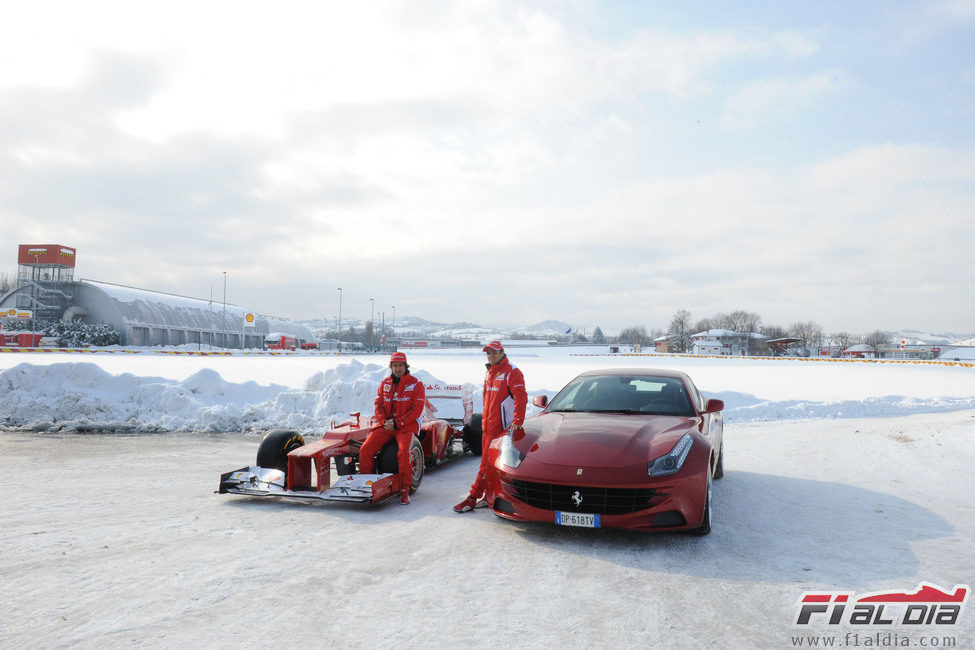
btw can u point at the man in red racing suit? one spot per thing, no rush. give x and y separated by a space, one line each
399 405
505 399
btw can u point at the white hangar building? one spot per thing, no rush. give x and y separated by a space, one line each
46 286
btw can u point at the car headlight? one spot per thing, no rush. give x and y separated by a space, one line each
510 456
672 462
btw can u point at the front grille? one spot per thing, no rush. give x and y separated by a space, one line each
595 500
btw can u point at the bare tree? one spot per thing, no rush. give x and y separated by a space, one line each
774 331
809 332
721 321
878 339
745 322
8 280
634 335
844 340
703 325
679 325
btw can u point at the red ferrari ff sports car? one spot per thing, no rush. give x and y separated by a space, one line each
633 449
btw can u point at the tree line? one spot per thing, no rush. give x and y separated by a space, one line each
682 327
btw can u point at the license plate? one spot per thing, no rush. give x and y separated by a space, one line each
577 519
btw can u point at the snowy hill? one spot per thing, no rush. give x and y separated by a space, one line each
546 328
416 327
917 337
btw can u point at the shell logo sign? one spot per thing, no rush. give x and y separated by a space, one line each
16 313
249 320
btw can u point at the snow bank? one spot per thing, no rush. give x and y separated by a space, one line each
83 397
740 407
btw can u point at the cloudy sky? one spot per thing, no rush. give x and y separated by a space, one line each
600 163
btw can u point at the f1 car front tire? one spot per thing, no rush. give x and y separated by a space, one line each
387 462
273 452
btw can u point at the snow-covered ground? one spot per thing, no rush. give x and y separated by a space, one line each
842 476
246 392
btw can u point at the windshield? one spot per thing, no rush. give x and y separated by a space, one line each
624 394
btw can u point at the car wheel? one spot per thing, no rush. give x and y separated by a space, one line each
719 467
388 463
416 461
705 526
471 434
274 449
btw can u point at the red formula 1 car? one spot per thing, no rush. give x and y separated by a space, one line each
620 448
288 467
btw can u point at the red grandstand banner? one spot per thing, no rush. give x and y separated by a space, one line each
45 254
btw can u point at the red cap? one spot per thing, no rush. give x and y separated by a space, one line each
493 345
398 357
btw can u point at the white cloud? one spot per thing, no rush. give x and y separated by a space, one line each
797 44
776 99
468 159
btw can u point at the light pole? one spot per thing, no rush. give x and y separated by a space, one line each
223 319
372 323
394 321
339 344
212 333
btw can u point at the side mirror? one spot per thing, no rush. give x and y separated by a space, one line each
540 400
713 406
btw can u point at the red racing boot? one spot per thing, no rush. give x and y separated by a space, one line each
404 499
465 505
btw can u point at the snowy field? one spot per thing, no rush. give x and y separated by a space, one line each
840 476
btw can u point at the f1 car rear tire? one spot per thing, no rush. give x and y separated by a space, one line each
388 463
273 452
471 434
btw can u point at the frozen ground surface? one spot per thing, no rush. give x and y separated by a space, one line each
112 539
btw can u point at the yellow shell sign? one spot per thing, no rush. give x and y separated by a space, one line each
249 320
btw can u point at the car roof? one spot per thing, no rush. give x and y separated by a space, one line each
637 372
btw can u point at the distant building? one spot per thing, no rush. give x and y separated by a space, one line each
142 317
666 344
860 351
723 342
436 343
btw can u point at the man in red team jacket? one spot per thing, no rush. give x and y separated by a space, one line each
399 405
505 399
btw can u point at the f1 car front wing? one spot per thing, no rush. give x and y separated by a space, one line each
265 482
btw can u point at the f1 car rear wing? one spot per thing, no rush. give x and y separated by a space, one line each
451 402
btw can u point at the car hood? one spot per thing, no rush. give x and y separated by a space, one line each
601 439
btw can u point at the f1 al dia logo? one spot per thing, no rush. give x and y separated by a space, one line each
929 604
